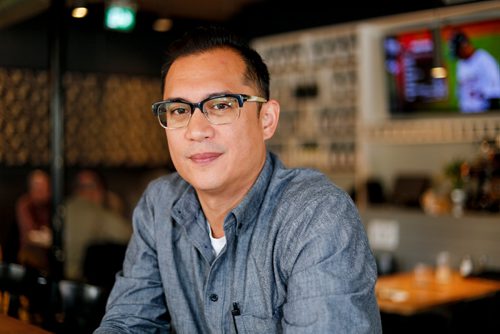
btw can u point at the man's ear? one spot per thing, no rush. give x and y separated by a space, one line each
269 116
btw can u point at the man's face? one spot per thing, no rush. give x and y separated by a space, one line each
90 188
40 189
215 159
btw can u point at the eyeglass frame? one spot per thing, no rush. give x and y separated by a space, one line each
241 98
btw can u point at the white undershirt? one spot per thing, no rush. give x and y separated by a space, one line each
217 243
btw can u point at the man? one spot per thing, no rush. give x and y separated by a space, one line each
234 242
478 75
33 219
88 223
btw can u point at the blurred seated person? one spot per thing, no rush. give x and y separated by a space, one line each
33 218
89 221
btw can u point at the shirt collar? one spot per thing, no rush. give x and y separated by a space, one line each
187 207
249 207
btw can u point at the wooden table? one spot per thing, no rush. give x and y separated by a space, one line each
9 325
409 293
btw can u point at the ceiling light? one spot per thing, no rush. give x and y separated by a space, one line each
79 12
162 25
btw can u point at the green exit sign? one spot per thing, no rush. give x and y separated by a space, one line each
120 15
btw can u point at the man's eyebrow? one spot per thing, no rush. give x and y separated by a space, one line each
219 93
204 98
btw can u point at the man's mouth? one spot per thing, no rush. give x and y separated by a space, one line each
204 158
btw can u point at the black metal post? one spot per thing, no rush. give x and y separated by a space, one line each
56 68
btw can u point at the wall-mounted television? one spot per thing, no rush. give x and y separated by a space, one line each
444 70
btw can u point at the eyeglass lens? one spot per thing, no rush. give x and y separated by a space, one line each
218 110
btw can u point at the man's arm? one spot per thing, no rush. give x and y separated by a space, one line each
137 301
24 219
332 274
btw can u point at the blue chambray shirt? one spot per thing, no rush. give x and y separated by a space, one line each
297 260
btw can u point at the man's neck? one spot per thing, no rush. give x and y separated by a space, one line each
216 204
216 208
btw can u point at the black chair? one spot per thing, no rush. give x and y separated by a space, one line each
482 315
82 307
102 262
12 283
432 322
19 281
42 295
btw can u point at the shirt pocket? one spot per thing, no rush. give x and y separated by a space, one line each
251 324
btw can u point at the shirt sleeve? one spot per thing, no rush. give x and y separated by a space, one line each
331 272
25 220
137 302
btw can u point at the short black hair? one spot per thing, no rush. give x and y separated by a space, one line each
205 38
456 40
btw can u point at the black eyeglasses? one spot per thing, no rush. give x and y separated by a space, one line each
220 109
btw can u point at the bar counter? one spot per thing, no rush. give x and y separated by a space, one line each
407 294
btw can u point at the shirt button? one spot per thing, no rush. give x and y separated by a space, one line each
213 297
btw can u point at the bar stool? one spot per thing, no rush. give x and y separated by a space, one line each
26 293
12 279
82 307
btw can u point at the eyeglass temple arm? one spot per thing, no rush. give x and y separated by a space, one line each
255 99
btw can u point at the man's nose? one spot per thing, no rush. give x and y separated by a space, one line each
199 127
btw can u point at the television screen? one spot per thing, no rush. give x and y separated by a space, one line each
453 69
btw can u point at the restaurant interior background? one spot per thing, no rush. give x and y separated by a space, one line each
328 70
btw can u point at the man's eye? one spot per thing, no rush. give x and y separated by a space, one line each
221 106
179 111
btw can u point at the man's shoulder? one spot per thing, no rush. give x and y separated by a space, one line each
306 182
310 190
308 203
